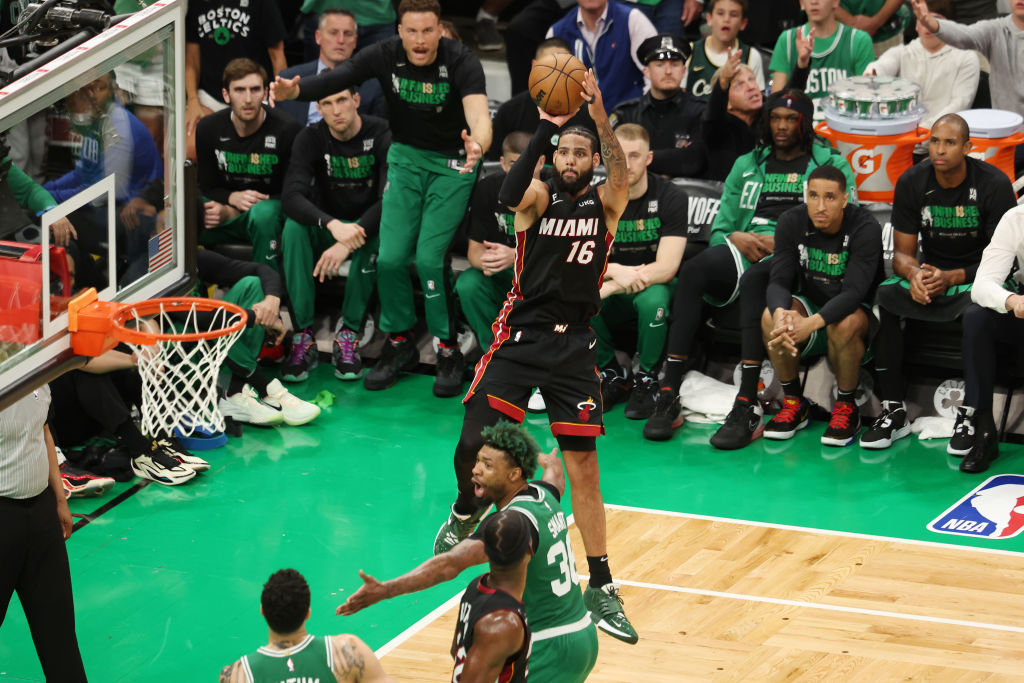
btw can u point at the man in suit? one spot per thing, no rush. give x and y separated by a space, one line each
336 37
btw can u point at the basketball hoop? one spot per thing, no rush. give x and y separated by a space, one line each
179 344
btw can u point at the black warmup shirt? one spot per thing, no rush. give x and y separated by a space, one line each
560 263
836 272
228 163
674 127
783 186
726 137
329 179
478 601
662 211
955 224
489 220
230 29
424 102
519 113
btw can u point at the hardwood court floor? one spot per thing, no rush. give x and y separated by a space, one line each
167 581
720 600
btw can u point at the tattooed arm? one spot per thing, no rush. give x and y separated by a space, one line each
232 673
354 661
615 192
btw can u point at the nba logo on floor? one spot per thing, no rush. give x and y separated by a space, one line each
993 510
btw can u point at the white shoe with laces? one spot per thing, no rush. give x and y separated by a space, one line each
293 409
245 406
174 449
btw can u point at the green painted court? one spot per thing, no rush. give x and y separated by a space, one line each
167 580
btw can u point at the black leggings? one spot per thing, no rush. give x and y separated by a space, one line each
985 331
712 272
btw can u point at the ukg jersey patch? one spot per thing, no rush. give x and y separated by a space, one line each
995 509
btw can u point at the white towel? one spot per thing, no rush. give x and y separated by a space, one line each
706 400
933 427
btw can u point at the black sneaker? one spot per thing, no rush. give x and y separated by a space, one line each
982 453
794 416
399 354
487 37
614 388
304 357
890 426
667 416
345 355
451 372
843 426
743 424
641 396
962 441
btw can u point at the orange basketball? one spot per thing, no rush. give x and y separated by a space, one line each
556 83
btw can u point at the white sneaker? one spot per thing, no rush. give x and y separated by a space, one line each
536 403
160 467
295 410
246 407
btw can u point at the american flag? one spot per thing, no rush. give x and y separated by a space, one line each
161 249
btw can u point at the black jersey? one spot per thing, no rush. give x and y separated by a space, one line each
478 601
560 263
228 163
329 178
489 219
662 211
425 102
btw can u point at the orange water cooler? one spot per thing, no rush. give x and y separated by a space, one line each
995 135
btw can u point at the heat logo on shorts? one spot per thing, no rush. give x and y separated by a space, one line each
995 509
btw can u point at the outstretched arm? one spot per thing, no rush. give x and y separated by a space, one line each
615 194
440 568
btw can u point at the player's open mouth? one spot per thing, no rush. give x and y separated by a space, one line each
478 490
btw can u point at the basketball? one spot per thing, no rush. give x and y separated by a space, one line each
556 83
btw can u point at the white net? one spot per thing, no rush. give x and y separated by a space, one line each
179 378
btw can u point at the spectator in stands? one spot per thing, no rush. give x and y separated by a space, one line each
332 205
820 52
376 20
731 120
953 202
113 142
35 523
948 76
243 154
993 322
883 20
520 112
33 198
293 654
140 80
761 186
826 266
635 295
670 115
769 19
606 36
336 36
524 34
973 11
726 19
666 15
216 33
492 246
441 126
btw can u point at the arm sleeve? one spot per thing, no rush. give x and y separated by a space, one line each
298 183
974 37
350 72
370 220
785 265
798 77
29 194
481 213
718 106
225 272
66 186
996 263
865 252
547 487
519 176
208 174
688 162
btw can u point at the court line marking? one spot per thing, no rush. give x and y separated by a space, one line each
813 530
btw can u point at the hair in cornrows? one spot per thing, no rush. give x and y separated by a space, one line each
506 537
516 443
583 133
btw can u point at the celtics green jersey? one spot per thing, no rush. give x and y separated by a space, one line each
311 661
869 8
701 69
845 53
552 595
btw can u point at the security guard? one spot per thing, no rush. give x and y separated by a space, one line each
671 115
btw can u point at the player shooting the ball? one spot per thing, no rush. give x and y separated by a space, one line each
542 337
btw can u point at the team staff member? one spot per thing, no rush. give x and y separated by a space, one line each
492 637
242 154
953 202
435 91
332 206
564 639
670 115
34 524
827 264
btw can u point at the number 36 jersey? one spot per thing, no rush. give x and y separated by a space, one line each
560 263
552 595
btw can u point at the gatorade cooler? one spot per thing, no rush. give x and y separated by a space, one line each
994 136
872 121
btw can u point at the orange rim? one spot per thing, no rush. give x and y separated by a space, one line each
149 307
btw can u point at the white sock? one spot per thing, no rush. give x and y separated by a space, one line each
483 14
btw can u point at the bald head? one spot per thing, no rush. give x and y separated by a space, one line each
957 122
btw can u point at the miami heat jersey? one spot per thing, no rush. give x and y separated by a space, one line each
560 263
478 601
